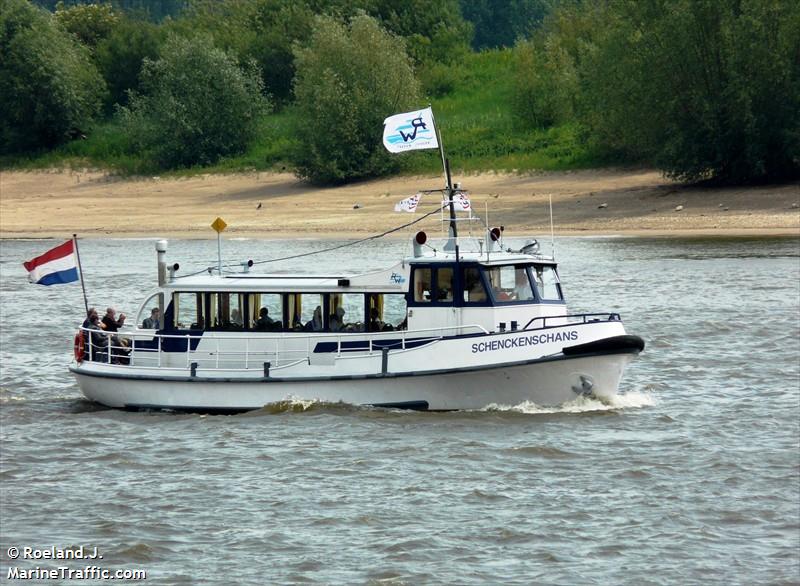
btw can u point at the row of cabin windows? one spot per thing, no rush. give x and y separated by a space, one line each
480 285
287 312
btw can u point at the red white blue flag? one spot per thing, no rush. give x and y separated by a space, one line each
54 266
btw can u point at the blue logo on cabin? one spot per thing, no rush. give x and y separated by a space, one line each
397 278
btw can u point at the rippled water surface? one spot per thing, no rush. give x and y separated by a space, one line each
692 476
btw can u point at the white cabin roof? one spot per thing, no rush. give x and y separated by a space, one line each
392 280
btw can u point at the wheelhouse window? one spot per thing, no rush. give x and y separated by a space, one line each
546 282
187 311
444 284
509 283
346 312
434 284
387 312
266 312
423 285
474 290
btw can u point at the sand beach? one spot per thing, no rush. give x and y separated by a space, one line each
92 203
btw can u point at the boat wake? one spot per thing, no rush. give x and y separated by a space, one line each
584 404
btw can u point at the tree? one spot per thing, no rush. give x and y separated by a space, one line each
701 89
198 105
120 56
500 23
50 90
545 84
90 23
349 79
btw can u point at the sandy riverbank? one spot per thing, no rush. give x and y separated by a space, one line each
637 202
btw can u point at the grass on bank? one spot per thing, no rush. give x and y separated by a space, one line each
474 115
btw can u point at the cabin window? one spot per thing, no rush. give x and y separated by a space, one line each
266 312
387 312
423 285
444 284
188 311
307 311
474 290
510 283
227 311
546 282
346 312
150 315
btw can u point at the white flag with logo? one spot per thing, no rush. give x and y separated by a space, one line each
409 204
410 131
461 201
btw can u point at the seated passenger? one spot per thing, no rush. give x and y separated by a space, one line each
315 323
375 323
264 322
337 320
98 340
152 322
236 318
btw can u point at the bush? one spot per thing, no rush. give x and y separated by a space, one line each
349 79
198 105
50 89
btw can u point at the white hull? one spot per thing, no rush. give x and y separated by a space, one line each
547 382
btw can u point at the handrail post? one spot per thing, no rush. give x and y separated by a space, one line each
108 347
217 353
246 352
159 350
188 347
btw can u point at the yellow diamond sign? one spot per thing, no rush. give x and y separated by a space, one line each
219 225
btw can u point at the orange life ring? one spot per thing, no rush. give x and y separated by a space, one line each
78 348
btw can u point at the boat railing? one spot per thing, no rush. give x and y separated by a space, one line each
146 348
552 321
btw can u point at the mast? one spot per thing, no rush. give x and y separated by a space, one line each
449 192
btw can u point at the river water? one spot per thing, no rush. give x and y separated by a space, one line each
692 476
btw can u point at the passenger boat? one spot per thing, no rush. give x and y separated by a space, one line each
464 324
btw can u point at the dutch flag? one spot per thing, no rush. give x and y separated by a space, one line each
54 266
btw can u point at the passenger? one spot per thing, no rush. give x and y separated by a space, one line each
98 340
522 287
236 318
110 322
264 322
119 346
88 321
315 323
375 323
152 322
337 320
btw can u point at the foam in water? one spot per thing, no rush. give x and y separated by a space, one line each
583 404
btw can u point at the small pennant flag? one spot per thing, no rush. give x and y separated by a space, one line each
410 131
54 267
409 204
461 201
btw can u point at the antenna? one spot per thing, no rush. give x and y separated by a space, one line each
552 232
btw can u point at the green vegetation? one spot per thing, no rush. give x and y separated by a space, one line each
347 79
197 106
49 88
701 90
